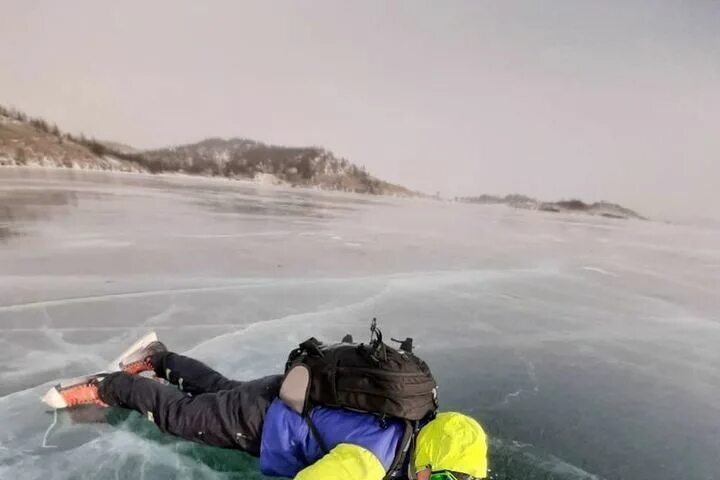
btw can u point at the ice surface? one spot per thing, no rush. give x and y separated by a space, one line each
588 347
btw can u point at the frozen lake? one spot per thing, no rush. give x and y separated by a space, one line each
587 347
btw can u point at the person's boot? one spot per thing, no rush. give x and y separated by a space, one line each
81 391
141 360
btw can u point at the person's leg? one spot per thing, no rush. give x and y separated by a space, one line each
190 375
229 418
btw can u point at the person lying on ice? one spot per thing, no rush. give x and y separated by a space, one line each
322 443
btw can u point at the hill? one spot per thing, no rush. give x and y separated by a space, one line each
604 209
35 142
243 158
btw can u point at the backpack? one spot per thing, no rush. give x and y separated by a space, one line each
374 378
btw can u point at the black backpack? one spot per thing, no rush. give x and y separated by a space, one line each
373 378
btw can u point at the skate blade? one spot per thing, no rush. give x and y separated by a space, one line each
54 400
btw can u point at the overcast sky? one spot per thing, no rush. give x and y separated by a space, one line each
616 100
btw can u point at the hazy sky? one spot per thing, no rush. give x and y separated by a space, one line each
616 100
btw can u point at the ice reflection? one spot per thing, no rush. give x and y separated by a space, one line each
20 207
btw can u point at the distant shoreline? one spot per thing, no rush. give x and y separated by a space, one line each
205 178
601 209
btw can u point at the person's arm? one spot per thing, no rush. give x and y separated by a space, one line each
345 462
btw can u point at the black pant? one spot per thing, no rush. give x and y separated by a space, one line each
207 407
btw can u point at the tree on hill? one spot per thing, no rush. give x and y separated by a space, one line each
20 156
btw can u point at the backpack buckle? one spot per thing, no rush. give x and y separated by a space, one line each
405 345
312 346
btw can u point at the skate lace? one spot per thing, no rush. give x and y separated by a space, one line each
81 394
138 366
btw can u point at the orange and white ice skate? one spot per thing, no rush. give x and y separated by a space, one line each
76 392
84 390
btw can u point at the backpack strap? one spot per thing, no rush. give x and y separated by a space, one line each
402 449
316 434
